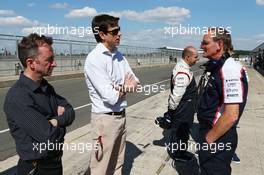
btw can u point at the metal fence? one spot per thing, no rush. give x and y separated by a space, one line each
70 55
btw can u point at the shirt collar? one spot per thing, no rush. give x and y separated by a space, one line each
32 84
185 64
104 50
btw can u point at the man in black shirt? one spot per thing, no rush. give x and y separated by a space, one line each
37 116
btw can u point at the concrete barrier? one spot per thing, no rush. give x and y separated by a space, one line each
10 80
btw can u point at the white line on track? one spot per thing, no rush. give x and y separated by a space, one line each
79 107
83 106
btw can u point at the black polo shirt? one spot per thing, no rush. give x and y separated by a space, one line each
28 107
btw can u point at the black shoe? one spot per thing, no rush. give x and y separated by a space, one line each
235 158
183 156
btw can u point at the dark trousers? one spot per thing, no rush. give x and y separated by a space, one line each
179 137
216 159
51 165
182 120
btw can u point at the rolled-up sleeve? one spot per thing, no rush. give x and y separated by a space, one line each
129 70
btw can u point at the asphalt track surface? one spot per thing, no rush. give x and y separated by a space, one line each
76 92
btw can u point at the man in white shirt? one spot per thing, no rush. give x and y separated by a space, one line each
108 77
181 107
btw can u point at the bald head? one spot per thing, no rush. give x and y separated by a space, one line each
188 51
190 55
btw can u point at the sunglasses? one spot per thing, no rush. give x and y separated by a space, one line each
204 43
114 32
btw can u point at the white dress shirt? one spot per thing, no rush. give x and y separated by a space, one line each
104 69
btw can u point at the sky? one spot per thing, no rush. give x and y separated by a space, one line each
149 23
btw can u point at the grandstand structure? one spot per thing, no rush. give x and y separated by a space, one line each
258 58
261 47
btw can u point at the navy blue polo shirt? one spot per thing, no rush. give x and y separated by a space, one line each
227 83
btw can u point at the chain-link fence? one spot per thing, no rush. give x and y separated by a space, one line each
70 55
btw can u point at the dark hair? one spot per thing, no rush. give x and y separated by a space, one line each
28 46
187 51
221 33
100 23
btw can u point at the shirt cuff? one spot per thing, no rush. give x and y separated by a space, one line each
61 120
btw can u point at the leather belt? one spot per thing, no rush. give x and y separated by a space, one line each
116 113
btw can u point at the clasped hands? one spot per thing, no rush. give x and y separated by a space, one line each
130 84
60 111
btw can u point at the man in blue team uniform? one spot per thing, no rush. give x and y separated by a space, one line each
221 103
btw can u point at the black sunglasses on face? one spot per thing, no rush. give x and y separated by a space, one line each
204 43
114 32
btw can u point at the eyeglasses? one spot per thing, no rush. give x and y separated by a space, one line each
114 32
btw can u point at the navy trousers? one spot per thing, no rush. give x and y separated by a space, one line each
217 158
